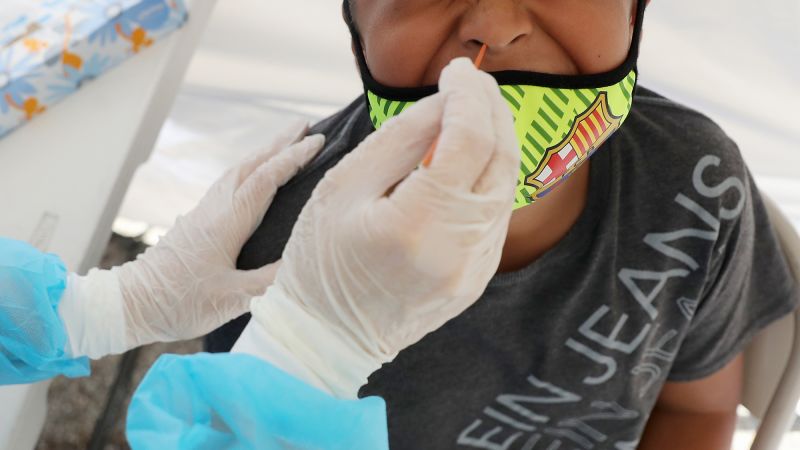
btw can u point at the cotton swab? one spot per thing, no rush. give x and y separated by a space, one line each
429 156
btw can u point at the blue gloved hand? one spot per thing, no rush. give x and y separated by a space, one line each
33 339
236 401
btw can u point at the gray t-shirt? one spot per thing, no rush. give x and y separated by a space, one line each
669 271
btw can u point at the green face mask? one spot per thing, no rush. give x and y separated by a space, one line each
560 121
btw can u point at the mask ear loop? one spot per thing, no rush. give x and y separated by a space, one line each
637 32
356 37
636 42
403 94
358 49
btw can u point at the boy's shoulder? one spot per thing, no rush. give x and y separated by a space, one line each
668 136
667 156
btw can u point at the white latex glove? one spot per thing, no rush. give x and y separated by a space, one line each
365 273
187 285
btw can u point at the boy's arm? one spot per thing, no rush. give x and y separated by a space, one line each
698 414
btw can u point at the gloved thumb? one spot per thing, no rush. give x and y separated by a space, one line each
258 280
291 135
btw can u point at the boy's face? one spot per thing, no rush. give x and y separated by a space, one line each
408 42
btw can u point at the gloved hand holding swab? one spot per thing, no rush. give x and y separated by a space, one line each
478 62
361 283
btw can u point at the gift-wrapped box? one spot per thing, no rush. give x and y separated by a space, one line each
50 48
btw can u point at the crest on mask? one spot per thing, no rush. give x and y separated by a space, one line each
590 129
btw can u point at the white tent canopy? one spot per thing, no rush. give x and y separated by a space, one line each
262 63
738 62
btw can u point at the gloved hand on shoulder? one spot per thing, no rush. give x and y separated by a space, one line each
187 285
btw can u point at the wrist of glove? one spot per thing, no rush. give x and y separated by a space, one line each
109 312
93 314
305 345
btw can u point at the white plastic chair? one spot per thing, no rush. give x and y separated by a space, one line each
772 361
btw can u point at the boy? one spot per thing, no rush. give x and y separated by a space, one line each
624 297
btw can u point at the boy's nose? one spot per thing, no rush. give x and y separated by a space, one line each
496 23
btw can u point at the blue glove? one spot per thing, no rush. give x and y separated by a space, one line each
33 339
237 401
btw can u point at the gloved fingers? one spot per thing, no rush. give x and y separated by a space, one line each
467 140
388 155
503 168
258 280
257 191
291 135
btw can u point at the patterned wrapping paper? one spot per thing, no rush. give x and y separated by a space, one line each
50 48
